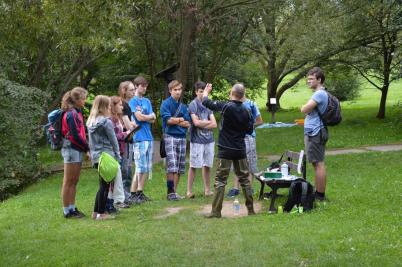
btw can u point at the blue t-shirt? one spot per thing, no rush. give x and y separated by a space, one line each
200 135
168 110
312 122
255 112
143 105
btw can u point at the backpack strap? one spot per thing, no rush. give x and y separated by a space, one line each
175 114
303 193
318 111
291 190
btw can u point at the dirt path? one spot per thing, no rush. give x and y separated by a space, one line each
330 152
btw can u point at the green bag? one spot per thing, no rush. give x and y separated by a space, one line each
108 167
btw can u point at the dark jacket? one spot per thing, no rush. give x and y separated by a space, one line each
236 121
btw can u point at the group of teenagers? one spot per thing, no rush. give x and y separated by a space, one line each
113 119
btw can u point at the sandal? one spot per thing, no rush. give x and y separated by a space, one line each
104 216
209 194
191 195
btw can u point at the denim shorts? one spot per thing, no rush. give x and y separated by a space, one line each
70 155
143 156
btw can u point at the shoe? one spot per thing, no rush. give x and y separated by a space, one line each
190 195
145 197
111 210
233 192
320 198
209 194
121 205
172 197
74 214
133 199
105 216
139 199
77 213
179 197
213 215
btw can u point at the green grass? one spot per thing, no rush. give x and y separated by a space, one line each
359 127
369 96
360 226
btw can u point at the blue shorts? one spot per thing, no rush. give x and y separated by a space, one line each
69 154
143 156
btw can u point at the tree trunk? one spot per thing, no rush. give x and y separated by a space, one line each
272 87
187 49
381 110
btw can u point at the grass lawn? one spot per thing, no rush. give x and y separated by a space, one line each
360 226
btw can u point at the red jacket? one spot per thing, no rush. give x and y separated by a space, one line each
73 129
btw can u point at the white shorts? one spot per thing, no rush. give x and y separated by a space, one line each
251 152
202 155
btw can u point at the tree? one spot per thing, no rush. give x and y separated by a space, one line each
380 62
291 36
50 44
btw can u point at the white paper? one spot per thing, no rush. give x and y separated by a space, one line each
299 164
272 101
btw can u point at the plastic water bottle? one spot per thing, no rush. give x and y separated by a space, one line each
284 169
236 207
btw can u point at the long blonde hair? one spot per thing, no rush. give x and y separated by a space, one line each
100 107
123 87
71 97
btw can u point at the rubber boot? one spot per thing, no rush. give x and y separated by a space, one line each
248 195
219 194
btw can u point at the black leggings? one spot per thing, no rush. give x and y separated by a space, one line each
101 196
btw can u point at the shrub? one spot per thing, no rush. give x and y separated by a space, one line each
343 83
21 110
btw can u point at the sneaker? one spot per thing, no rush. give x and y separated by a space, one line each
179 197
112 210
77 213
74 214
145 197
172 197
140 199
121 205
132 199
320 198
233 192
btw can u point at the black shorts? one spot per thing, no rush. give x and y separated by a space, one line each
315 146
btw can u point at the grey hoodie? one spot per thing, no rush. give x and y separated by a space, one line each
102 139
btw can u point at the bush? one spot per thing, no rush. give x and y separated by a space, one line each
21 110
343 84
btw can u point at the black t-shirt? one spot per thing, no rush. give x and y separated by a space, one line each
126 110
236 122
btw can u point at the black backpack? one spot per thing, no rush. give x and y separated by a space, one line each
332 115
301 193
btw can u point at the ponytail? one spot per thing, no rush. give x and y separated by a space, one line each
71 97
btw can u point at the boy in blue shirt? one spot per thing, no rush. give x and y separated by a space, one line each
315 133
175 122
143 140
